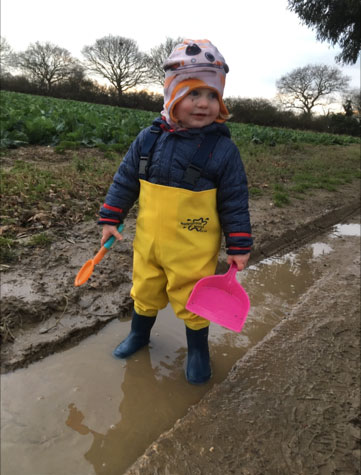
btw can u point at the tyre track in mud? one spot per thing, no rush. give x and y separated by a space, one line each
48 313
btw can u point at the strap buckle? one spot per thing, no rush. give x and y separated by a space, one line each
143 165
192 174
147 148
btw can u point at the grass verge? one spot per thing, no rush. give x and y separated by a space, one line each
38 196
293 170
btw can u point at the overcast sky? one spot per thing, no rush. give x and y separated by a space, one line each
260 39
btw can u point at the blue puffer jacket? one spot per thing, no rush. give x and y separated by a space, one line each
172 154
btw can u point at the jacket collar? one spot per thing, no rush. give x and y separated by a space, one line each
215 127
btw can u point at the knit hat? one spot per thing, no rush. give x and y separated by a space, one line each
193 64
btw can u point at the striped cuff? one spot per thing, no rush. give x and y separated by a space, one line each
112 208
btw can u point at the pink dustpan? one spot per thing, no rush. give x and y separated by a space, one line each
221 299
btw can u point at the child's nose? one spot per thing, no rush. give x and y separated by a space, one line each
203 101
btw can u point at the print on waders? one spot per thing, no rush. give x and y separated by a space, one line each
196 224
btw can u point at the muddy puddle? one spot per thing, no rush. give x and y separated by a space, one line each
83 412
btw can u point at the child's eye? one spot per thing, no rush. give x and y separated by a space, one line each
194 93
213 95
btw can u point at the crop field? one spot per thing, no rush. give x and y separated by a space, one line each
66 124
39 120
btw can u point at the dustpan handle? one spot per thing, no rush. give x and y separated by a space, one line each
232 271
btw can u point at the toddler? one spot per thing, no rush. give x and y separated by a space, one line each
191 185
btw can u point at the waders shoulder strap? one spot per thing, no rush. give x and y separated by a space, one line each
195 169
198 161
147 148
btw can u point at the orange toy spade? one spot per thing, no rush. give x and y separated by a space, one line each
87 269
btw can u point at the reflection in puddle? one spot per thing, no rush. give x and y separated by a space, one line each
83 412
101 412
320 248
347 229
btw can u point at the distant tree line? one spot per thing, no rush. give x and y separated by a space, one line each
86 90
47 69
261 111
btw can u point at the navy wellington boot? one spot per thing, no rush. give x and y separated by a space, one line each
138 337
198 364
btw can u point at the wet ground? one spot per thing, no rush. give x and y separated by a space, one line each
69 396
260 413
291 405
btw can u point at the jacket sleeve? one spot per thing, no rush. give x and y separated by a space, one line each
232 203
124 190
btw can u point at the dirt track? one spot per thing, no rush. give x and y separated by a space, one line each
291 405
300 417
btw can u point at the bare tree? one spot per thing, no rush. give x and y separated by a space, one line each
157 56
305 88
118 60
6 56
46 63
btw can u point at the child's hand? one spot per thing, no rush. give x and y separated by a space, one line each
109 231
240 259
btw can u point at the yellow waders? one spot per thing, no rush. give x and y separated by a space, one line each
177 242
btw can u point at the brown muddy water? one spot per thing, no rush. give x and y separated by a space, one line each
82 412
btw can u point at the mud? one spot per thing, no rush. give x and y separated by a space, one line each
104 413
291 405
300 417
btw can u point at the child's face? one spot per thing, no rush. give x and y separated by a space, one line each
198 109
